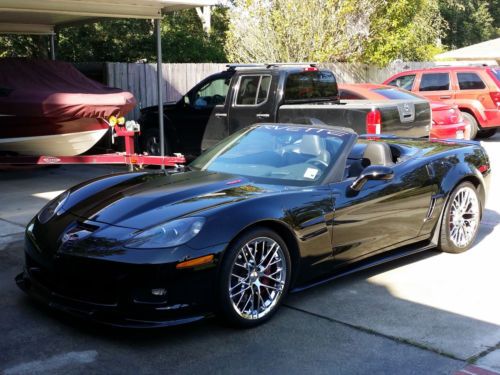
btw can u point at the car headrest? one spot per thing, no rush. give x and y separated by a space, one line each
378 153
311 145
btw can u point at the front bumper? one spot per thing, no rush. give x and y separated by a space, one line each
118 294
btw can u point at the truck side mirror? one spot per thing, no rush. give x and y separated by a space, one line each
372 172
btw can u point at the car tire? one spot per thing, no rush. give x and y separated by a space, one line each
461 217
486 133
474 127
150 142
254 278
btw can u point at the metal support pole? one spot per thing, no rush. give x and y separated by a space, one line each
53 46
159 79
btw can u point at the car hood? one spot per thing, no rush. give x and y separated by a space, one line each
141 200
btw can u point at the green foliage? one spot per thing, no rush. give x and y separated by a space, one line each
372 31
470 21
404 29
183 40
23 46
296 30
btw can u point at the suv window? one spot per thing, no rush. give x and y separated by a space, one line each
404 82
253 90
307 85
435 82
212 93
496 74
470 81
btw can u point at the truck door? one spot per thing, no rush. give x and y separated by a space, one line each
197 106
253 101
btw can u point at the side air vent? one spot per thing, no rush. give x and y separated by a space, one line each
435 199
430 211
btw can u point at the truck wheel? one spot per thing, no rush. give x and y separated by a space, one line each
254 278
486 133
474 127
150 142
461 219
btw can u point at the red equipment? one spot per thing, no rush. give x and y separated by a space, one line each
126 130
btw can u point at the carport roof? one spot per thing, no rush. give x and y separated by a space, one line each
481 51
40 17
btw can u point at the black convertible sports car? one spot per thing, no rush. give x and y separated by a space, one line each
272 208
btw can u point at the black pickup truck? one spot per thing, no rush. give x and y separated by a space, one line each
245 94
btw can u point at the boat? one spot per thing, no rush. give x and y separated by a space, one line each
50 108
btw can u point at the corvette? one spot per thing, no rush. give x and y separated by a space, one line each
271 209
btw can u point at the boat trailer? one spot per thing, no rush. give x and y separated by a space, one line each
119 128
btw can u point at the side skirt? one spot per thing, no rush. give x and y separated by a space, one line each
370 263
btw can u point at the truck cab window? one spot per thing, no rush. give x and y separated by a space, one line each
311 86
211 94
253 90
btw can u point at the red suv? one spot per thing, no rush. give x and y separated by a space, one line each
475 90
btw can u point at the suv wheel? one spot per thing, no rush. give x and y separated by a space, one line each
474 127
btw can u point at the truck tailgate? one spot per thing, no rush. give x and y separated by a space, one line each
399 117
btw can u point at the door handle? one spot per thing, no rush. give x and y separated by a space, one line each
220 115
445 97
262 115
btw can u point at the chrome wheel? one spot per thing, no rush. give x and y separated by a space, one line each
258 278
464 217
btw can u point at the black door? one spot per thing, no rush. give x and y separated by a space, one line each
382 215
253 101
196 107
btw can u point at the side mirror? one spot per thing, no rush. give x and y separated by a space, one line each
373 172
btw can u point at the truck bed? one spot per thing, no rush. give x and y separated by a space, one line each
399 117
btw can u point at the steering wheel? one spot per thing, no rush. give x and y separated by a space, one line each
218 99
318 163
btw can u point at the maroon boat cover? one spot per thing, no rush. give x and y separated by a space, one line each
56 89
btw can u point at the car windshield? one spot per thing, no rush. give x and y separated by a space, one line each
396 94
295 155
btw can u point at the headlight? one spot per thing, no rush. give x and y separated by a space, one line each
55 207
173 233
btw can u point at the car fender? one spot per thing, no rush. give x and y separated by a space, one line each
462 171
475 107
224 223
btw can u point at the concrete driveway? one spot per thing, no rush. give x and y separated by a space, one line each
428 314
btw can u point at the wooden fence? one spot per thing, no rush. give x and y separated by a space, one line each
140 79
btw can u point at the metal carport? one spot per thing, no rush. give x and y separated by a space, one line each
43 17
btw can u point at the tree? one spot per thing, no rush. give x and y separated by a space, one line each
404 29
375 31
129 40
470 21
296 30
